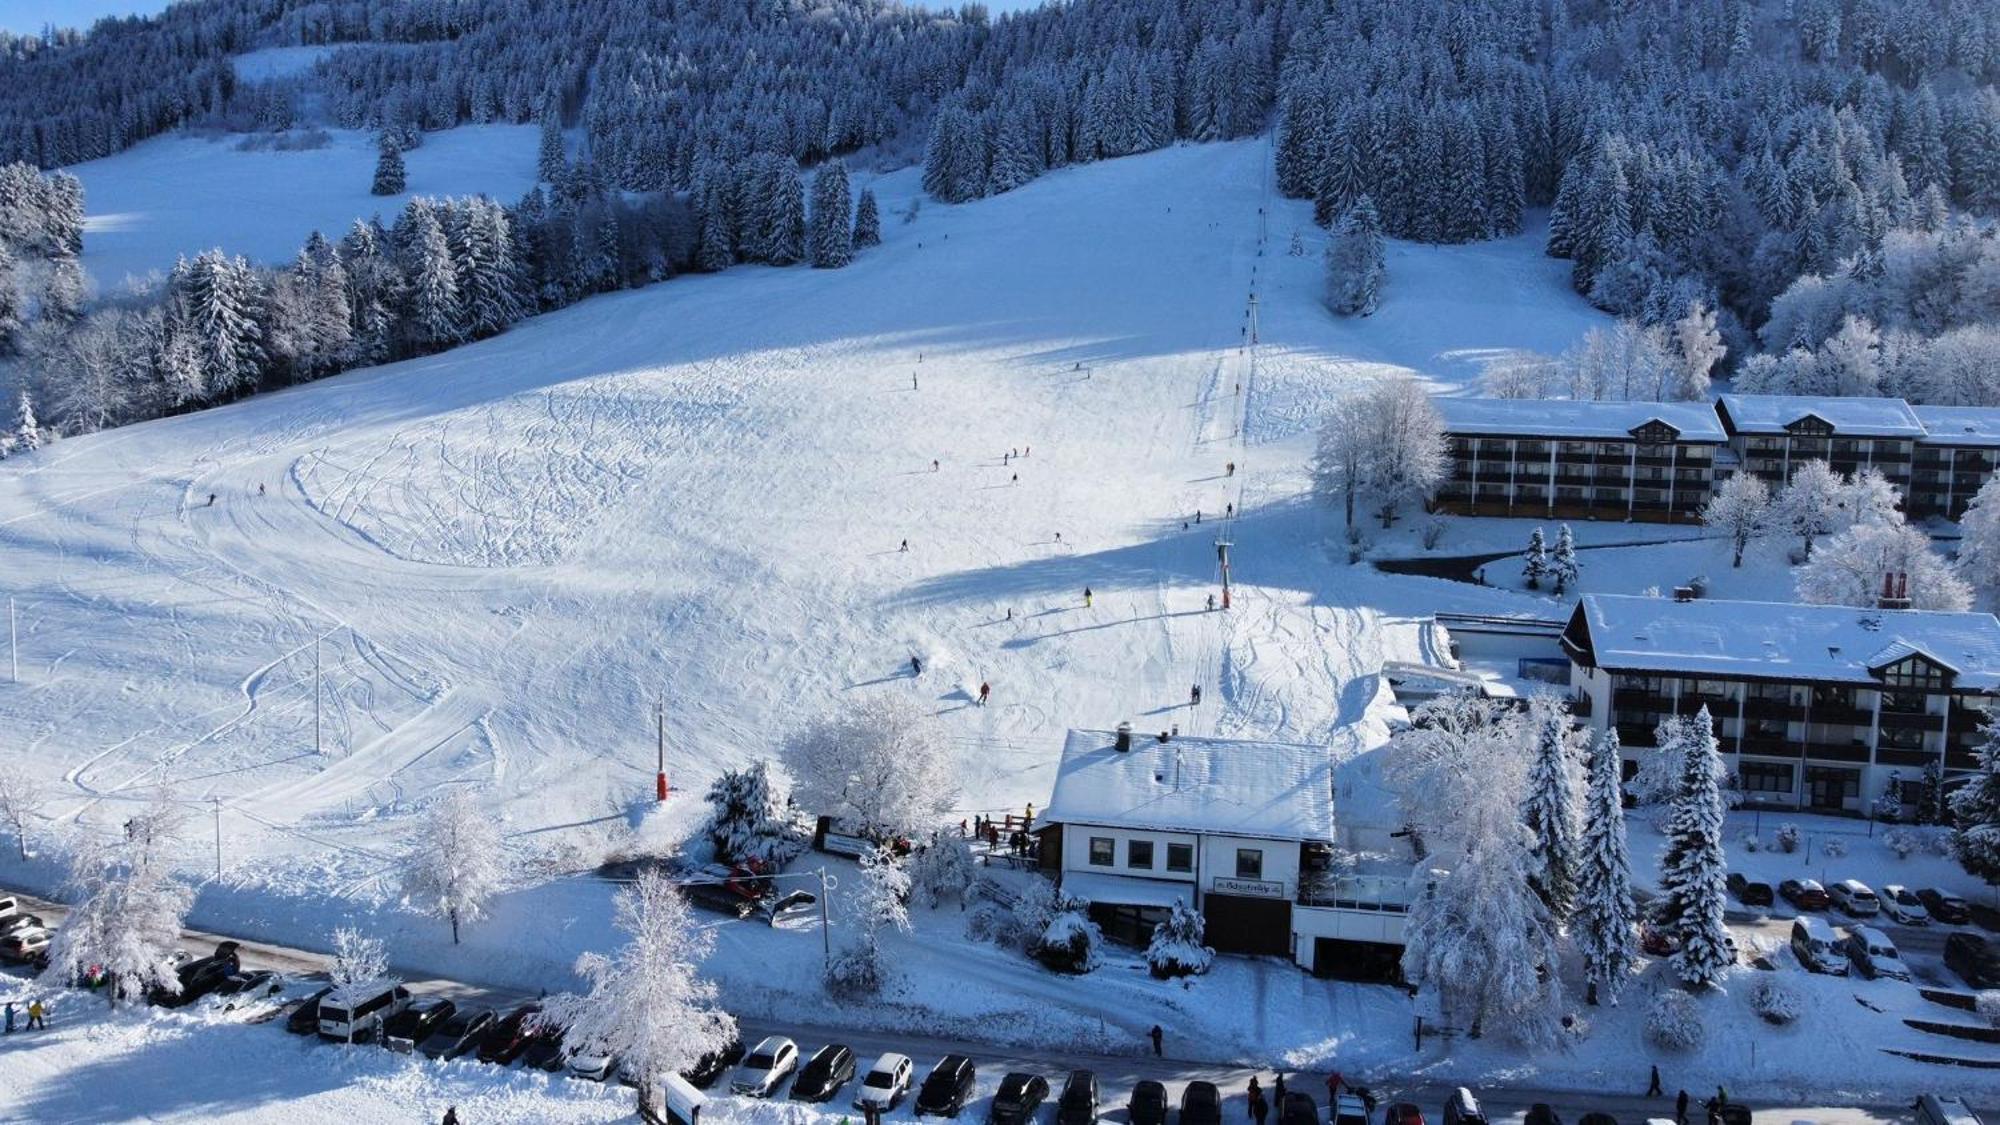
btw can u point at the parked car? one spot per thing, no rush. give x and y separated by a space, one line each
1873 955
591 1065
720 898
1148 1104
887 1082
1461 1108
1945 906
1597 1118
766 1067
1985 917
11 922
1902 906
197 978
1747 892
715 1064
946 1088
510 1036
1078 1104
1020 1096
788 905
459 1035
403 1031
1934 1110
1349 1109
9 905
304 1018
545 1049
1854 898
1542 1113
1401 1113
1297 1109
1804 894
1973 958
25 947
830 1068
354 1019
1817 948
1201 1104
255 982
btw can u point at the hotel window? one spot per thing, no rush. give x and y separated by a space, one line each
1139 854
1765 777
1103 851
1901 738
1249 863
1180 857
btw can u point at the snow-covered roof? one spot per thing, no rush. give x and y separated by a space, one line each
1849 417
1960 425
1560 418
1124 890
1780 640
1217 786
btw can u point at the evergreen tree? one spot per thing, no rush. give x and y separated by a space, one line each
867 220
1562 565
551 158
1932 806
1692 871
832 237
27 432
1551 813
390 178
787 232
1605 915
434 294
748 821
1537 567
1354 262
1975 810
13 310
223 306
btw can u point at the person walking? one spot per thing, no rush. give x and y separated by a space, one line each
1156 1035
1229 510
211 499
934 465
1259 1108
10 1017
36 1014
1278 1089
1681 1109
906 545
450 1115
1721 1096
1194 696
1086 597
260 488
1653 1089
1017 478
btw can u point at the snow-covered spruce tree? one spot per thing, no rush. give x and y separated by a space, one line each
551 160
648 1006
882 766
435 306
867 220
882 902
831 239
13 304
1849 569
1979 542
1931 804
748 820
22 799
1550 811
1070 942
1176 949
1354 263
1739 508
1975 810
1563 569
786 235
390 177
27 432
1692 895
1537 565
222 302
1605 917
455 863
124 919
944 868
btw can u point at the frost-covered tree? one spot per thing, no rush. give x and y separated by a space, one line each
1851 567
1536 567
1070 942
944 868
1739 508
831 239
1975 810
124 919
1813 503
1605 918
22 799
1563 568
1692 895
867 220
13 303
1176 949
648 1005
1550 811
1354 263
1341 462
1409 460
1698 347
882 766
1979 542
551 159
1932 805
390 177
360 967
456 863
27 431
748 820
881 902
435 304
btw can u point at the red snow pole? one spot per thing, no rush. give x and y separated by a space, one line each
660 778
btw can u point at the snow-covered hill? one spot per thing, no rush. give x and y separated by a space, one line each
697 492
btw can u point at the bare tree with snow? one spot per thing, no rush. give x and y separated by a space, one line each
1739 508
456 863
881 902
1340 466
944 868
883 766
21 801
647 1006
1851 568
1410 462
1813 503
124 920
1979 545
360 963
1698 347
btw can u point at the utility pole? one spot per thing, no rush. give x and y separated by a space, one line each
13 641
218 837
660 777
1222 560
825 930
318 746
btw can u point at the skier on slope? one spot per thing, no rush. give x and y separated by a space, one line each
985 689
1194 696
916 667
1086 597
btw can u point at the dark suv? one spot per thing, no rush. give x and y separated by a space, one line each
1974 959
946 1088
1078 1104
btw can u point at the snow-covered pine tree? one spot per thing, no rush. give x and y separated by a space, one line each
1932 807
1176 949
65 290
1563 568
1605 916
455 863
550 157
223 304
1740 508
648 1005
786 243
434 293
832 237
390 176
1354 261
748 820
1550 812
27 431
1070 941
1692 895
1537 567
13 305
1975 810
867 220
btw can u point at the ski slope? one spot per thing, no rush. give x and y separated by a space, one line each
501 557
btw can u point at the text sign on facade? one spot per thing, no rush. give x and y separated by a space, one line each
1262 888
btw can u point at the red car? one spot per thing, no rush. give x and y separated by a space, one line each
1656 942
1805 894
1403 1113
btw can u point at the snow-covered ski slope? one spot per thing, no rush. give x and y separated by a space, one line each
698 492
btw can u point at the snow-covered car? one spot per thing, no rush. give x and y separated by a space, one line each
459 1035
1803 894
1816 947
1854 898
1944 906
304 1018
403 1031
715 1064
765 1068
792 904
1903 906
887 1082
1349 1109
1871 953
593 1065
23 947
11 922
510 1035
1657 942
9 905
1747 891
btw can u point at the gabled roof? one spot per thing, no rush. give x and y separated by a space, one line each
1780 640
1849 417
1566 418
1216 786
1972 426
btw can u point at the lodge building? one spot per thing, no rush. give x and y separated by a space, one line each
1817 707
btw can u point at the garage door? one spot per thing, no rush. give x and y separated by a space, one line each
1245 924
1368 961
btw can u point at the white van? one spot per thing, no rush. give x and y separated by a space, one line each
1934 1110
354 1019
1817 948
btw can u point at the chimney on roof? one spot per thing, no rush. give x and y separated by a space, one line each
1895 592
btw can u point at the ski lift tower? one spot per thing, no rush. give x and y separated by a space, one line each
660 778
1222 545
